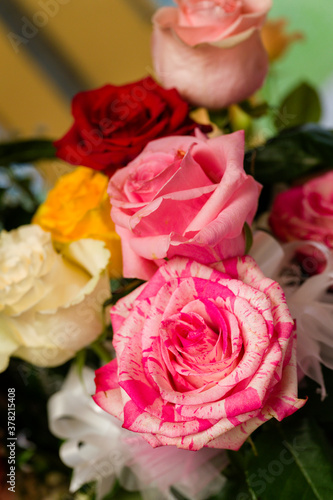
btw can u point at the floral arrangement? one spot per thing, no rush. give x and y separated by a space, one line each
185 263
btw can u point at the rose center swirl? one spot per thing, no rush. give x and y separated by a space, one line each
201 343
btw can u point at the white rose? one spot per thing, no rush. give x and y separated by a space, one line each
50 303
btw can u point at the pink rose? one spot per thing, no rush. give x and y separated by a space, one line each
183 196
305 212
204 356
211 50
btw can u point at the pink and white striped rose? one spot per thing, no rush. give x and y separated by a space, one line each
204 356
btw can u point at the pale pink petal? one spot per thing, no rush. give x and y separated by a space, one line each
213 77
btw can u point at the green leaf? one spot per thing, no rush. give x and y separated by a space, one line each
177 494
293 461
101 351
120 288
313 459
233 490
25 456
26 151
220 117
80 361
256 110
322 411
248 237
301 106
121 494
291 154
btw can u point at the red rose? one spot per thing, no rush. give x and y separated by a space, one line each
113 124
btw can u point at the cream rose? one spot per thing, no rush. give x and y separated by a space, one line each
50 303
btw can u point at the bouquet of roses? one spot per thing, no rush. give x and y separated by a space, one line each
219 331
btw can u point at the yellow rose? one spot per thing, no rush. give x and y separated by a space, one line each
78 207
275 38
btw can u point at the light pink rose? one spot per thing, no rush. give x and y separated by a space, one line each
183 196
305 212
211 50
204 356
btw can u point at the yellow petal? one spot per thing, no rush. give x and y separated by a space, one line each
276 39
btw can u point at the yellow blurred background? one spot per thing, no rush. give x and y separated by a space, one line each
52 49
101 41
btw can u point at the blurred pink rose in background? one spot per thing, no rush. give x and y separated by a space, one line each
204 356
305 212
186 196
211 50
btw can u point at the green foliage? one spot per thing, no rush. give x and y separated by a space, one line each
122 287
239 117
248 237
26 151
177 494
320 410
119 494
254 110
292 461
20 195
220 117
301 105
291 154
